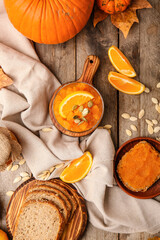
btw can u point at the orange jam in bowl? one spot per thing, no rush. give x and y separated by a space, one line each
78 107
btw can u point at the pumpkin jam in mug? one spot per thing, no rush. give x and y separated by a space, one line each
78 107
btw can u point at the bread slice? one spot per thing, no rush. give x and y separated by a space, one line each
57 186
59 193
39 220
52 197
80 227
139 168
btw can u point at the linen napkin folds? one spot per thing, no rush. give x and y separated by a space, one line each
24 110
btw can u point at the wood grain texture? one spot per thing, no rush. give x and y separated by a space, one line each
75 227
96 41
141 47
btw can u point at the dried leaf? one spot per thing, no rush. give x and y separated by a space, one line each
99 15
5 81
125 20
140 4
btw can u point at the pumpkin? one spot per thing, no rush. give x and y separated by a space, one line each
113 6
49 21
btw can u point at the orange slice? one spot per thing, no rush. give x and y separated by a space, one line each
3 235
77 169
125 84
120 62
75 98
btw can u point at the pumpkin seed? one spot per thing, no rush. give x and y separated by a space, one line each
22 161
129 133
41 176
125 115
84 119
108 126
9 193
77 120
75 107
80 123
80 109
47 176
59 165
85 112
46 129
147 90
24 174
75 117
150 129
141 114
51 169
15 167
157 107
25 179
17 179
133 119
158 85
45 172
155 100
156 129
9 166
158 138
133 127
90 104
149 122
155 122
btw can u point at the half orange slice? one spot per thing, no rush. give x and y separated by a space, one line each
120 62
75 98
77 169
125 84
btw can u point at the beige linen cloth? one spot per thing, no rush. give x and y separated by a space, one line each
24 110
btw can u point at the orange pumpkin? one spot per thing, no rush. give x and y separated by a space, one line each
113 6
49 21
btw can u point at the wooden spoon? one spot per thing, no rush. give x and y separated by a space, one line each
90 67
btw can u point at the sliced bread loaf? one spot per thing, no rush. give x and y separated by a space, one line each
39 220
79 220
61 188
49 196
51 189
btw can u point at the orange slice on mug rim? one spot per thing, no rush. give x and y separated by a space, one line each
120 62
77 169
125 84
75 98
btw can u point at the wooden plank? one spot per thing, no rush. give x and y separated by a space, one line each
141 48
60 59
96 41
137 236
6 179
94 234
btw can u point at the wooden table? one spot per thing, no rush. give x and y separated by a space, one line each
142 48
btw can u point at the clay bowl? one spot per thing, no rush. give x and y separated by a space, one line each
154 190
90 67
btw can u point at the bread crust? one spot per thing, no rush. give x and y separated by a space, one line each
81 203
58 192
61 188
15 150
59 202
62 222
